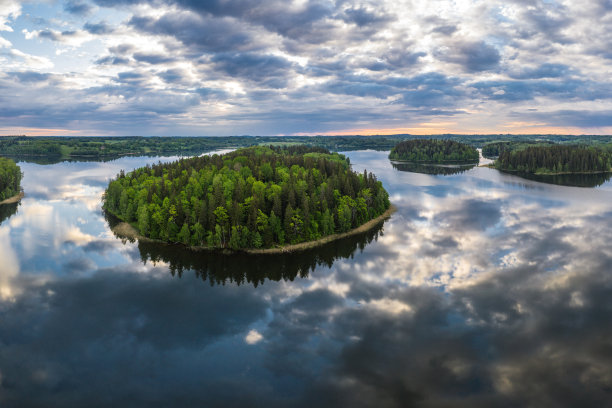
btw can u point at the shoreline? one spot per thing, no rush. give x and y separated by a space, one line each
564 173
127 231
13 199
433 163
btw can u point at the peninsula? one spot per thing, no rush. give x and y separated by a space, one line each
556 159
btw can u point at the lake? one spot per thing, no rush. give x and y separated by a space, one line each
483 289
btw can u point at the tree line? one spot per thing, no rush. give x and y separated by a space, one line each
493 150
434 151
556 159
10 178
256 197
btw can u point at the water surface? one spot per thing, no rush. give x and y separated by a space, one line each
484 289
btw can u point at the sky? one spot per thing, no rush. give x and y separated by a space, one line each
305 67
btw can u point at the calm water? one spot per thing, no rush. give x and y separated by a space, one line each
484 289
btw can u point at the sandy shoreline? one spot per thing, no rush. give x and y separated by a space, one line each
14 199
125 230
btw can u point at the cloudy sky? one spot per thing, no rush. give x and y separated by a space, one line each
275 67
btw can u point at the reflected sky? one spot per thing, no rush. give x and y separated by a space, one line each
483 289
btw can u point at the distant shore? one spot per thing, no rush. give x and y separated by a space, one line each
14 199
126 230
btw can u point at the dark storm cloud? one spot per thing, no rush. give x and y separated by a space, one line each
472 56
77 7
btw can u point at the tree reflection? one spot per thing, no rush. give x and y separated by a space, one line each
433 169
570 180
7 211
219 267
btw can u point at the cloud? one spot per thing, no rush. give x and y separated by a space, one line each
98 28
403 63
9 10
473 56
364 17
201 34
77 7
546 70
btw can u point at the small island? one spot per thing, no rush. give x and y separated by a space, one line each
254 198
555 160
10 181
434 151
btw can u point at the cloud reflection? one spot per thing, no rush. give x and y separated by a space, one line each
482 290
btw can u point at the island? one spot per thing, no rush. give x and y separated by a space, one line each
10 181
257 198
434 151
556 160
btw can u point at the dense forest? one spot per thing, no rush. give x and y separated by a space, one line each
55 149
556 159
494 149
256 197
434 151
10 178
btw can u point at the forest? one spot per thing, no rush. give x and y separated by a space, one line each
434 151
10 178
494 149
257 197
556 159
54 149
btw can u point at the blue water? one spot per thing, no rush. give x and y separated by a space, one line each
483 289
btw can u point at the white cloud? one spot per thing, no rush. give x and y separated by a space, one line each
253 337
4 43
9 9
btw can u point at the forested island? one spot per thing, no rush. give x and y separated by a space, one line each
434 151
257 197
556 159
10 179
